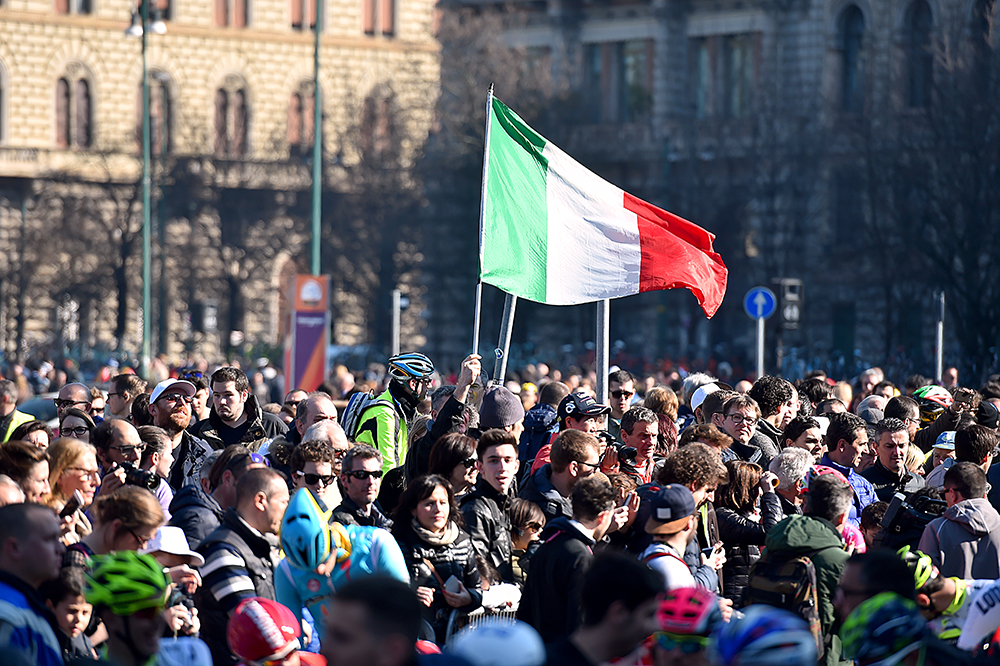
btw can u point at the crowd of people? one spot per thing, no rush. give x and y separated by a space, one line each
196 522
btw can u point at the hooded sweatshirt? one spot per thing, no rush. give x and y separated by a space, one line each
965 541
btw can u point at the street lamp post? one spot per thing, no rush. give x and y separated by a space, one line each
141 29
317 176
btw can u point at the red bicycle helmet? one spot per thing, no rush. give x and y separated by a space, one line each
262 630
689 610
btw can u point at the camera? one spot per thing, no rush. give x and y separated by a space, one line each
140 477
627 454
906 517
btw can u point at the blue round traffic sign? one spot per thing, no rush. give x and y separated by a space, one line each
760 303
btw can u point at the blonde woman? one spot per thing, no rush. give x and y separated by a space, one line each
72 467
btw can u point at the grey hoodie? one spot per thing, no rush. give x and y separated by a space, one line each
965 541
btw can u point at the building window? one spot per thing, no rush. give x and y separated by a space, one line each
851 41
73 111
723 69
303 14
377 128
618 80
919 58
301 121
231 13
159 114
231 120
72 6
378 17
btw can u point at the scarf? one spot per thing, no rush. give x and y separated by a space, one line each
435 538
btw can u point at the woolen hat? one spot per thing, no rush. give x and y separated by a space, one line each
987 415
500 409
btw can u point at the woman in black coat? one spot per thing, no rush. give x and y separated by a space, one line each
438 552
747 507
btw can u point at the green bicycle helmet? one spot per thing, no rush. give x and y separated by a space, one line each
126 582
882 630
920 565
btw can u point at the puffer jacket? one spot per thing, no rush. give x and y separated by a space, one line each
965 541
456 559
743 538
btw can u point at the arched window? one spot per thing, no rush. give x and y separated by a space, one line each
919 59
301 120
159 114
232 118
851 42
377 127
73 109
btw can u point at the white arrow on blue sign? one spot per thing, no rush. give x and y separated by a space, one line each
760 303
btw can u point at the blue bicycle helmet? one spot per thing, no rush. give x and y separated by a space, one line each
764 636
410 365
305 537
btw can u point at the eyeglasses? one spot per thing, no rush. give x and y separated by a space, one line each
619 394
143 542
113 393
178 397
129 450
469 463
78 431
588 464
317 479
363 474
739 418
86 473
686 644
63 404
190 374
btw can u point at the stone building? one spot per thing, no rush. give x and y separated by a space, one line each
231 109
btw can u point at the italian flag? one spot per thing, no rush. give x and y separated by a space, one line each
555 233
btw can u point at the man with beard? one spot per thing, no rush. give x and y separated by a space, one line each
236 416
170 407
383 426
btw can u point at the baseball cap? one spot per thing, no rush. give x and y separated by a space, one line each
579 405
185 386
669 509
946 441
699 395
169 539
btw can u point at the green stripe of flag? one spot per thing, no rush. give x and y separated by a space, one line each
515 226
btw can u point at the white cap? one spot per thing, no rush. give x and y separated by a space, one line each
699 396
169 539
983 618
187 387
824 423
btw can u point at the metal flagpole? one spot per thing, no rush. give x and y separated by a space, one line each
503 345
603 362
482 213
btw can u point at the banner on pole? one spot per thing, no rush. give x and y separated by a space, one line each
307 332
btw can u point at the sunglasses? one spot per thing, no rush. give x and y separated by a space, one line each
686 644
129 450
190 374
622 394
178 397
317 479
469 463
363 475
60 404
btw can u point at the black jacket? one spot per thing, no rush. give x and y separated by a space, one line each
487 518
195 512
886 482
456 559
418 457
743 538
551 598
260 555
349 513
539 489
261 427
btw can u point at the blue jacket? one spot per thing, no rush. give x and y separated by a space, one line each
864 492
25 623
372 551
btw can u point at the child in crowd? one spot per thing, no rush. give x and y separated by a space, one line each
64 597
